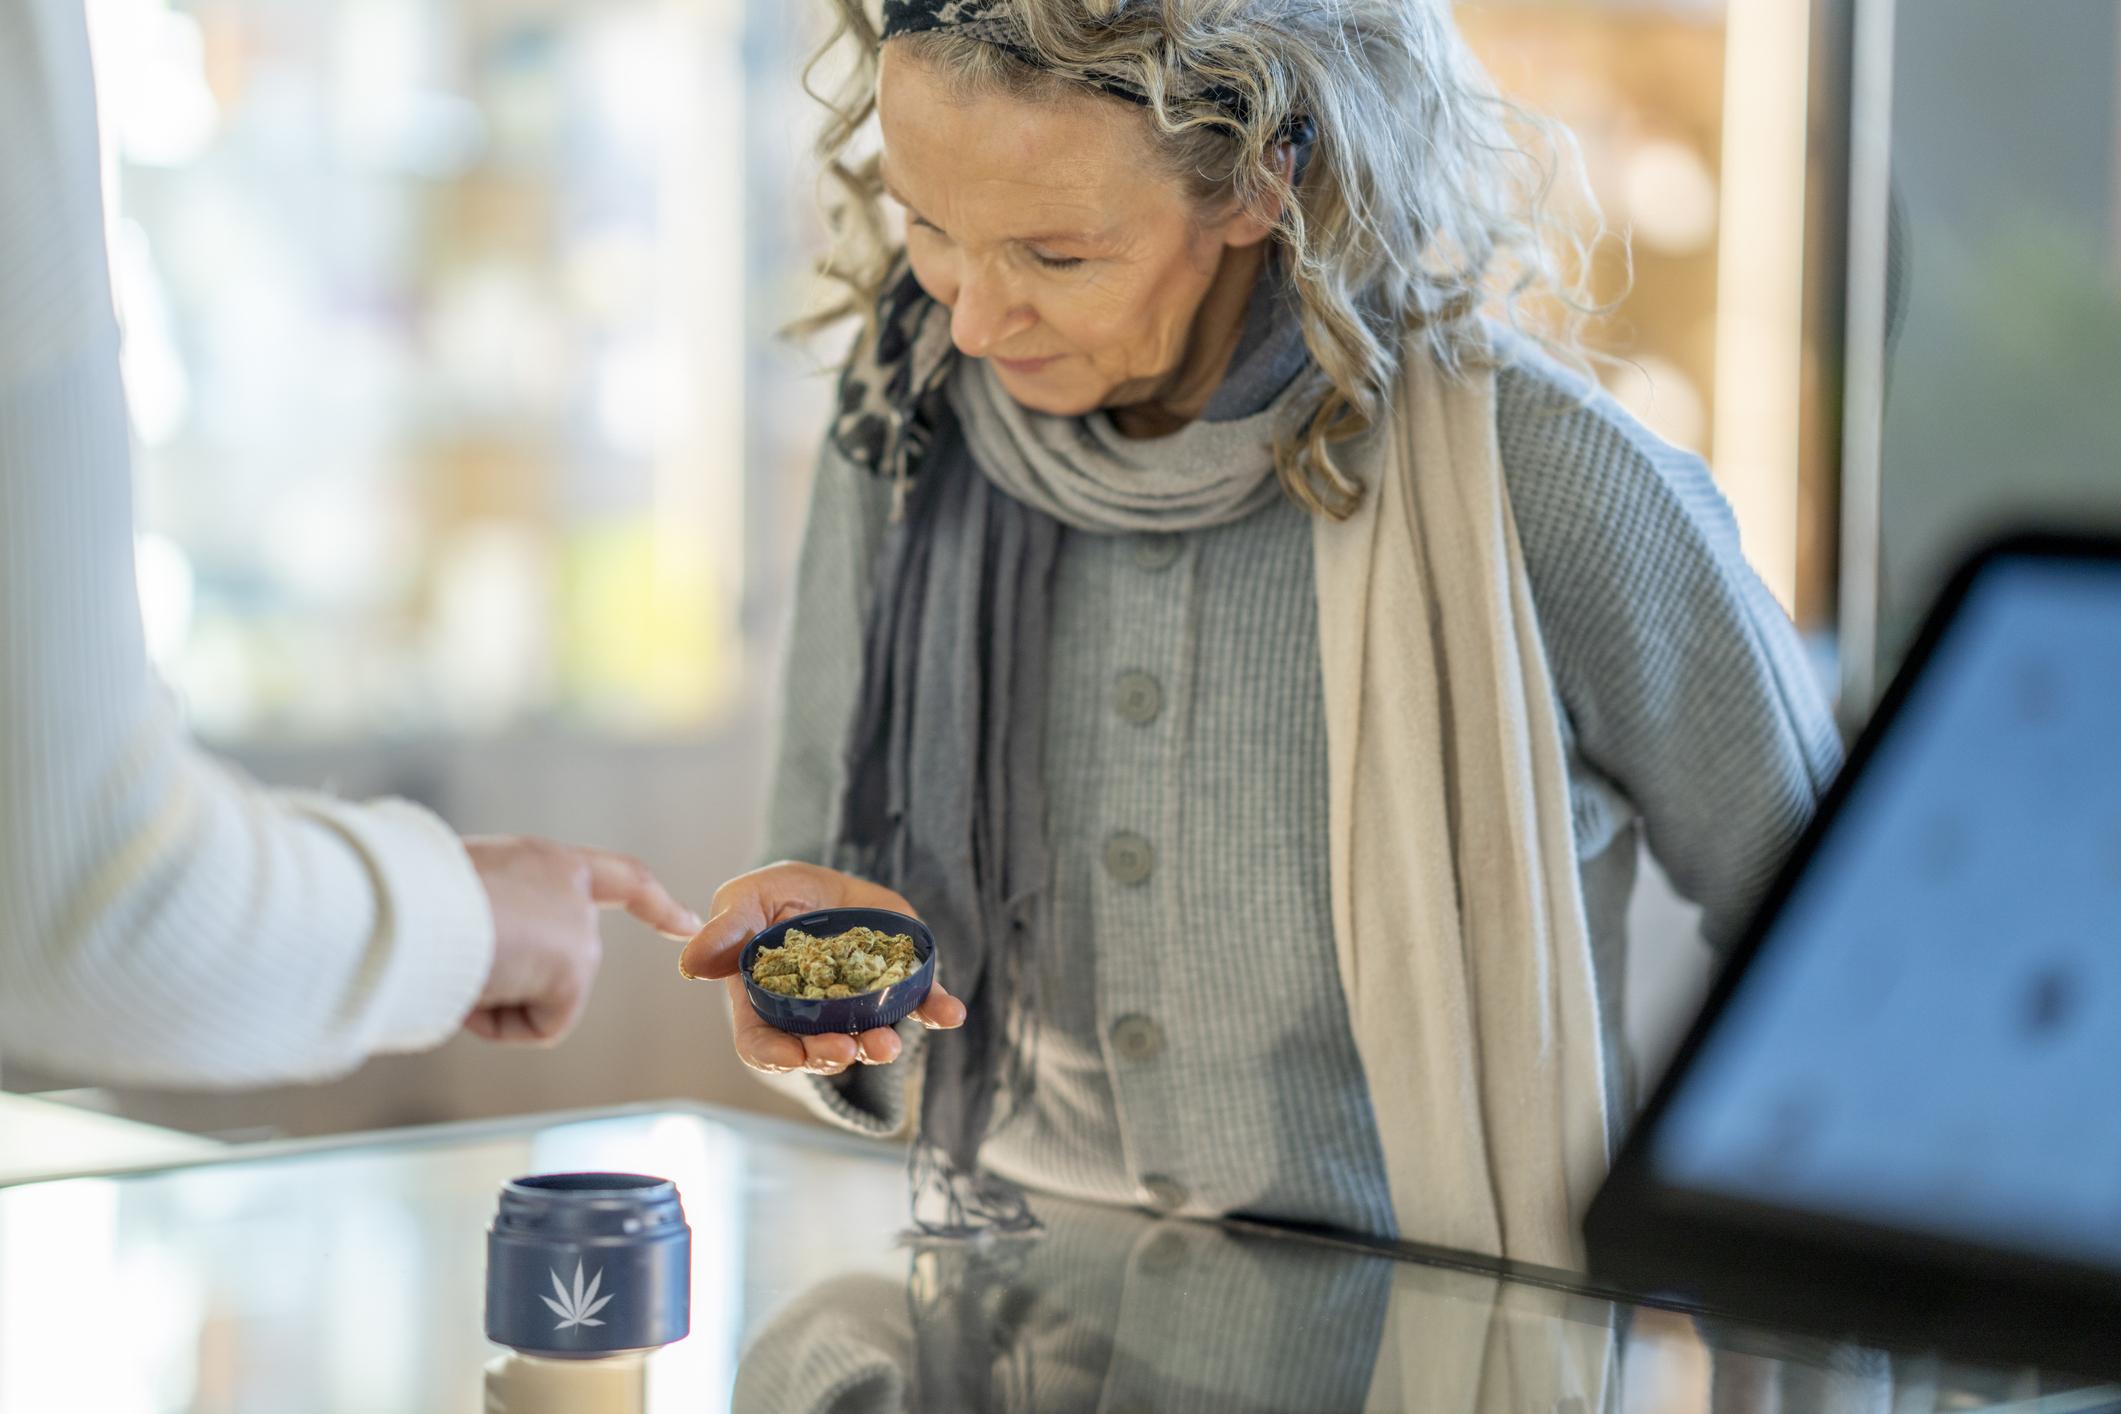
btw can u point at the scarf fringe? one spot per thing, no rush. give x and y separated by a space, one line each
956 1206
970 1305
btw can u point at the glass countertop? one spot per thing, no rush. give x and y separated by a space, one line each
348 1276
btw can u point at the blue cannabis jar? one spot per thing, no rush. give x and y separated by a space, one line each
581 1265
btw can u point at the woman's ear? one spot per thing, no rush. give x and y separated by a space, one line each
1250 228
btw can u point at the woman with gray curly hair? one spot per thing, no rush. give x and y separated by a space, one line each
1254 657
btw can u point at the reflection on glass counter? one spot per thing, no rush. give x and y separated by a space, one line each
1119 1310
349 1278
524 1384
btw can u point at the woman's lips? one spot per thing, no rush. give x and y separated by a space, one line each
1025 367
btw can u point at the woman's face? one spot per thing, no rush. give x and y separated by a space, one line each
1064 254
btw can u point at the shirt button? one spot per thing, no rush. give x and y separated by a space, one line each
1137 1038
1156 552
1163 1193
1138 698
1165 1252
1129 858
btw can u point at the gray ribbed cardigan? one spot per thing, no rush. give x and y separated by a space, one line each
1195 1053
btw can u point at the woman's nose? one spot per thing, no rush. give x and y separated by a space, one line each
985 315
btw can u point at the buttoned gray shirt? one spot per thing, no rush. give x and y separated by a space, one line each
1194 1051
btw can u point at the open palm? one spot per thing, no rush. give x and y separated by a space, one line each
752 902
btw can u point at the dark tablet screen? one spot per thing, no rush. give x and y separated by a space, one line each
1929 1036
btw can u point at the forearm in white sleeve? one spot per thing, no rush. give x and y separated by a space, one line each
162 919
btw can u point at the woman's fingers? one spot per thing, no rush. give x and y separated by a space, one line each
758 1045
715 949
941 1011
746 904
828 1055
765 1047
741 908
878 1047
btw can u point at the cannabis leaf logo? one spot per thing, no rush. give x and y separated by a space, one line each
577 1307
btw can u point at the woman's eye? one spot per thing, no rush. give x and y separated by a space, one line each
1056 262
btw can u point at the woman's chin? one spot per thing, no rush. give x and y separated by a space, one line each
1039 394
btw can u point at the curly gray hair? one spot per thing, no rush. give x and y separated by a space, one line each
1423 202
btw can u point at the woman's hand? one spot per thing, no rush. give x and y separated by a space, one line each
750 903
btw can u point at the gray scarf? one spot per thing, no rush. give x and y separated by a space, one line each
1087 474
944 771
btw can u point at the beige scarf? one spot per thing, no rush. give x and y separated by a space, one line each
1467 969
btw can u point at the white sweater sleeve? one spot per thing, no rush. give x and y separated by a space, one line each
162 919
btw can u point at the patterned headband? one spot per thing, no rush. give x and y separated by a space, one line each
991 22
